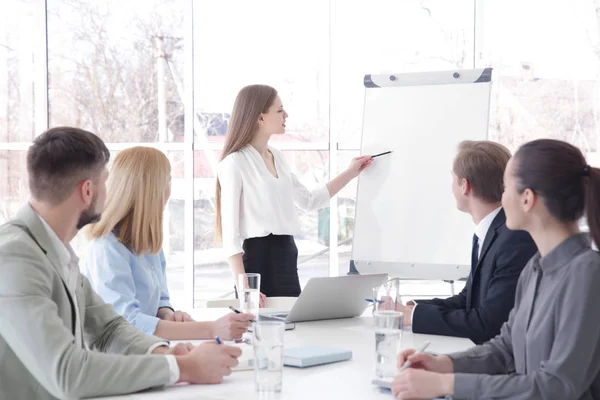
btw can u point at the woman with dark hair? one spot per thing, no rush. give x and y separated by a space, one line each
550 346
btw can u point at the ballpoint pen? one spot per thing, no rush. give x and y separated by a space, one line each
235 310
408 363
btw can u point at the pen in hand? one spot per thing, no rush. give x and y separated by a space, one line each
235 310
218 340
408 363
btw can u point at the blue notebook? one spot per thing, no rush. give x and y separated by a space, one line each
308 356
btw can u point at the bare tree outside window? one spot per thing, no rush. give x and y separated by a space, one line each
105 60
19 61
545 83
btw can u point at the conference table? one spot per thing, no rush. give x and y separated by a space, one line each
343 380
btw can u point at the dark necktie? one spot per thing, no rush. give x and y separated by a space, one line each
475 252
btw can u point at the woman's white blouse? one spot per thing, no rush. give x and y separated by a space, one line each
255 204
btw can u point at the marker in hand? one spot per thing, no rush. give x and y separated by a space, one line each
381 154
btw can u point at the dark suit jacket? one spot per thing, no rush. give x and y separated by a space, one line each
481 308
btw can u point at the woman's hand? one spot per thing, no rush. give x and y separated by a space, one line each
232 326
419 384
180 316
358 164
429 362
261 302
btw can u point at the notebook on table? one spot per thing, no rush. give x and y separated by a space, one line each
386 385
308 356
246 360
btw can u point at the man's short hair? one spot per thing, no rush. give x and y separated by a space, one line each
482 164
62 157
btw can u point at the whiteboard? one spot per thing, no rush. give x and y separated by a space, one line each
406 222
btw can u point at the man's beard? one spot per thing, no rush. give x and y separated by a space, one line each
89 216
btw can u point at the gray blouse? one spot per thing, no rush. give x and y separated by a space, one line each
550 346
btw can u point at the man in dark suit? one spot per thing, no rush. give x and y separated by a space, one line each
497 258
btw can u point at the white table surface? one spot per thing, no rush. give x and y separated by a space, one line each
343 380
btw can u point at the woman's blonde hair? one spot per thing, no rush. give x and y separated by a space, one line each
250 102
135 199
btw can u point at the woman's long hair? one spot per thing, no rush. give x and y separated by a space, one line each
135 199
250 102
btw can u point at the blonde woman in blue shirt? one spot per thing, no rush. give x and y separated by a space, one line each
125 262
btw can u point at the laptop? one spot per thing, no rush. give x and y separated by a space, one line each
331 298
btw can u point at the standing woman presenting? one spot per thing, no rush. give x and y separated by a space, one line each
257 193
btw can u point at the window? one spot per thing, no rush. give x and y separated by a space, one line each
391 36
545 78
22 61
268 42
165 73
22 94
230 53
116 69
14 189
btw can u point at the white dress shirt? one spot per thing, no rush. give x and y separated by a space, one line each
483 227
481 231
254 203
71 275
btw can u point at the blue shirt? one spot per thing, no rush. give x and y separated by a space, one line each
135 285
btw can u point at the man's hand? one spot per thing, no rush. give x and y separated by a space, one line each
407 311
419 384
232 326
178 350
208 363
387 303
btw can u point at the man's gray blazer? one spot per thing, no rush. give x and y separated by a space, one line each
38 355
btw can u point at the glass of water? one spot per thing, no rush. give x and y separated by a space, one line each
388 340
249 293
268 355
388 295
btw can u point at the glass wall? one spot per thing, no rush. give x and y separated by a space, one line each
284 45
165 73
22 65
546 69
116 68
